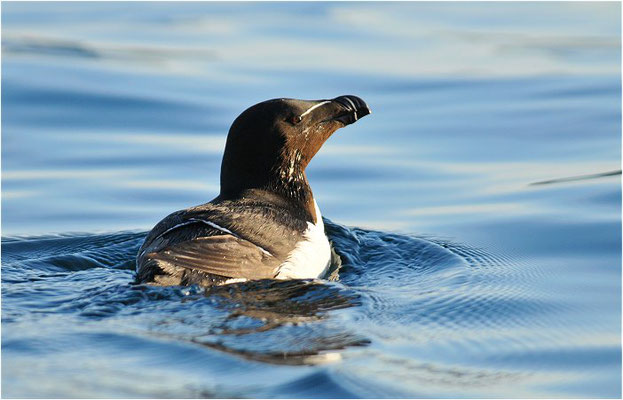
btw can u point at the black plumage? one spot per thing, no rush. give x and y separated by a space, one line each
265 203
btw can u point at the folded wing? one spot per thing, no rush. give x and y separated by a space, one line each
199 253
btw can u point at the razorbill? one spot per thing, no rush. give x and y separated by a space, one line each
265 223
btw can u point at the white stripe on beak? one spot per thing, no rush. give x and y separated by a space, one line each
354 107
312 108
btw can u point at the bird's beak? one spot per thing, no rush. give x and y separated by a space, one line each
353 109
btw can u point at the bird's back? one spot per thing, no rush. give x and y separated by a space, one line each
219 241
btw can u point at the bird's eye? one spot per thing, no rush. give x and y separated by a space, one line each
295 119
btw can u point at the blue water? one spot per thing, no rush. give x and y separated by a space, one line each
477 211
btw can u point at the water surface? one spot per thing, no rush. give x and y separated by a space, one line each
477 211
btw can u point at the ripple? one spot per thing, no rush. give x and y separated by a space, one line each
424 310
270 321
441 294
21 248
40 46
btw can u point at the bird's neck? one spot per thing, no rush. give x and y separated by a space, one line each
292 185
284 183
293 196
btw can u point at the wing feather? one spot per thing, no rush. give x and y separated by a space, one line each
222 255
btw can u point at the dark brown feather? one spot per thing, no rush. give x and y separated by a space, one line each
222 255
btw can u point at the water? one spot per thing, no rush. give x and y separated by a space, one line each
477 211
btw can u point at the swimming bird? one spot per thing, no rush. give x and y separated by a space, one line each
265 223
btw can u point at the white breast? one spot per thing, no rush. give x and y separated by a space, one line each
312 255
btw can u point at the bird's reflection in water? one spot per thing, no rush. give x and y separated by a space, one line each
282 322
